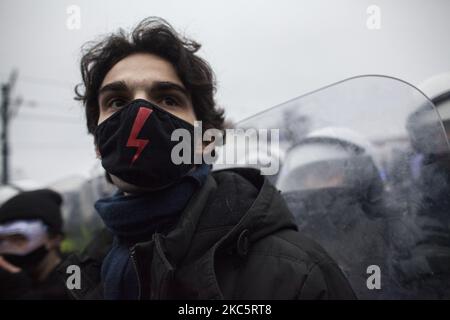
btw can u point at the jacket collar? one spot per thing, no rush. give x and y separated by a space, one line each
267 214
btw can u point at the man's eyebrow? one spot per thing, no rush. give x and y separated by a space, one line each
113 86
167 85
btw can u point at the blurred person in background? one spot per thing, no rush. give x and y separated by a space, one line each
31 231
426 269
334 188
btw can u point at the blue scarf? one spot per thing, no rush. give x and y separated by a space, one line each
135 218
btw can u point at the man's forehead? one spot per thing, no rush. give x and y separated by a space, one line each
142 71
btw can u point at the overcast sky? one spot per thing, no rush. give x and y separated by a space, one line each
263 53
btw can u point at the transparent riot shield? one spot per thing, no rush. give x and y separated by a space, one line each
356 162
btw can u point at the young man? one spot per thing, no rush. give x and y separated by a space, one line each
30 237
181 231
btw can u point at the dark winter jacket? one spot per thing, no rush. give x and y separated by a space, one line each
20 286
236 239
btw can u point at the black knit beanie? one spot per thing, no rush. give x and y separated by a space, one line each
44 205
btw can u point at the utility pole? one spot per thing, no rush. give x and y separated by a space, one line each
5 117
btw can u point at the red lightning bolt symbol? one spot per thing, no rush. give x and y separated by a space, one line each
133 141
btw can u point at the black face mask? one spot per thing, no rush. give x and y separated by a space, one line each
135 145
28 261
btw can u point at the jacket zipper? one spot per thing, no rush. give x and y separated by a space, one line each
133 259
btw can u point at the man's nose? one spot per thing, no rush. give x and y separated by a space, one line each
141 95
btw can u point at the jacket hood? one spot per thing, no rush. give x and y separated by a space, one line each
231 201
267 212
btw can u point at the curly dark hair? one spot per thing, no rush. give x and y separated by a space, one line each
156 36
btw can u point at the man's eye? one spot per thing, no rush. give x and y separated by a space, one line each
116 103
170 101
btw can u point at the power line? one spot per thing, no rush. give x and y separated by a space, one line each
47 146
34 103
45 81
9 108
49 118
